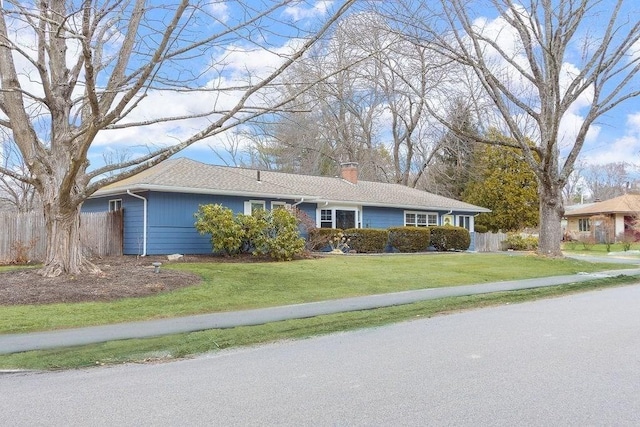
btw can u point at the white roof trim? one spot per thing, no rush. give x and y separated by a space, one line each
307 198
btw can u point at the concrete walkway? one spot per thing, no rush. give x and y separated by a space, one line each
15 343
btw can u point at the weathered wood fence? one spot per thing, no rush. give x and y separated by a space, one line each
22 235
489 242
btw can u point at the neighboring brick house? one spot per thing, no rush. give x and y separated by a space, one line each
623 211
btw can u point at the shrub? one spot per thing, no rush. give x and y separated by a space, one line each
627 239
282 236
21 250
272 233
447 238
409 239
226 232
518 242
367 240
319 238
481 228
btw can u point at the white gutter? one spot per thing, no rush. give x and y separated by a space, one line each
297 203
144 221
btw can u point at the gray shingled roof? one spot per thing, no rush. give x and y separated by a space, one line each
189 176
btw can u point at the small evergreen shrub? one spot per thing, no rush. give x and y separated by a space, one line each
273 233
447 238
518 242
409 239
226 232
367 240
283 241
481 228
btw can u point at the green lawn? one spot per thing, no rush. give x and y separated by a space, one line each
234 286
185 345
599 249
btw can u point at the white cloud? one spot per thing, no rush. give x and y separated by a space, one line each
220 11
301 11
624 148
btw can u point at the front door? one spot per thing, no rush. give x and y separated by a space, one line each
345 219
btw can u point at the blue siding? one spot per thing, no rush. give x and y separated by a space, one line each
375 217
171 221
170 227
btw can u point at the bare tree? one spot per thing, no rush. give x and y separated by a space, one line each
13 192
574 189
370 109
71 70
606 181
538 62
332 122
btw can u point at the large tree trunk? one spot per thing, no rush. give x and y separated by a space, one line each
64 251
551 213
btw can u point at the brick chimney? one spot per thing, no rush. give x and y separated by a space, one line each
349 172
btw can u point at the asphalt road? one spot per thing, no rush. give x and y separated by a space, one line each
573 360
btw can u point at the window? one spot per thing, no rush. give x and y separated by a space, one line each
276 205
584 224
464 221
115 205
420 219
253 205
326 218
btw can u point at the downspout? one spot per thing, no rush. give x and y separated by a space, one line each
297 203
144 221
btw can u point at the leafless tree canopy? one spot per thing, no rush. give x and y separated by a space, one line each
72 70
537 63
370 108
607 181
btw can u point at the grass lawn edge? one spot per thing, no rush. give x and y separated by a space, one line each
179 346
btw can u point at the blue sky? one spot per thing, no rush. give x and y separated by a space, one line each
615 137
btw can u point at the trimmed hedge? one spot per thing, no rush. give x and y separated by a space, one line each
367 240
409 239
449 238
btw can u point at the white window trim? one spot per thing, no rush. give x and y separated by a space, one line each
333 209
471 221
249 203
113 203
277 204
416 213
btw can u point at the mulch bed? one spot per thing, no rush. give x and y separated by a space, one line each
121 277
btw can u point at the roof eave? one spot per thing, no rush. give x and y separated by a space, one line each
191 190
306 197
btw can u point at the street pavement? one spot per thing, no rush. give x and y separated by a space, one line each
14 343
569 361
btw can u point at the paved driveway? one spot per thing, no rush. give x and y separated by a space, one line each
573 360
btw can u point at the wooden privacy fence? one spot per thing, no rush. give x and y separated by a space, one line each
22 235
490 242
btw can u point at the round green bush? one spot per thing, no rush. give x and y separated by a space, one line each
449 238
409 239
367 240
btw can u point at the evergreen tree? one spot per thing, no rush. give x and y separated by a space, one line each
506 185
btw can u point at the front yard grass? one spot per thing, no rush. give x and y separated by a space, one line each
237 286
599 248
185 345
